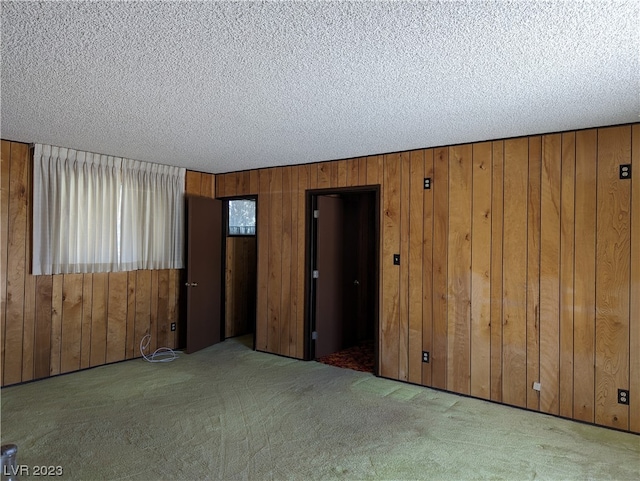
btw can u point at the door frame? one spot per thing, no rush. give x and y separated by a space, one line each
310 258
225 235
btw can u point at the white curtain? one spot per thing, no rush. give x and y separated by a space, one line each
99 213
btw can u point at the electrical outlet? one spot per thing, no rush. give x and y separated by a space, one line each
173 326
425 356
623 396
625 171
427 183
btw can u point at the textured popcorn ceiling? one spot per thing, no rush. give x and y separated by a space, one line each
220 87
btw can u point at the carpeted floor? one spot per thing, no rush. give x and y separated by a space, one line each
359 358
229 413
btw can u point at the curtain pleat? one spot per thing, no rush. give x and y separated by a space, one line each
99 213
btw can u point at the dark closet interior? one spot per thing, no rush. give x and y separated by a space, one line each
345 294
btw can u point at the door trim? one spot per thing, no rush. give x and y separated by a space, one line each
310 254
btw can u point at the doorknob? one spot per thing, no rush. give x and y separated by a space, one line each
356 282
191 284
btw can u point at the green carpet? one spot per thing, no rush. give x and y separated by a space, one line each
230 413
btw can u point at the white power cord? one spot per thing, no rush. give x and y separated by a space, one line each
162 354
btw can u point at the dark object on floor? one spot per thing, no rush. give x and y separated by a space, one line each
358 358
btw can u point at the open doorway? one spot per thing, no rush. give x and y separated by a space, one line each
343 294
240 268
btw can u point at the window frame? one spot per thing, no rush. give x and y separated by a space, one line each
253 198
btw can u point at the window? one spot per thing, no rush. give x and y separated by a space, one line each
98 213
242 217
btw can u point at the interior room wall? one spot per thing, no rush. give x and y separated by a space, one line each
55 324
240 285
521 264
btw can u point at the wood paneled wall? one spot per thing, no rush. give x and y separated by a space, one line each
521 264
240 285
63 323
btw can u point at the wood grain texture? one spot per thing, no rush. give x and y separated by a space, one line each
353 172
416 266
567 256
459 269
113 296
99 303
29 314
497 226
634 318
193 181
312 170
207 185
220 181
597 282
16 264
238 289
71 322
585 276
163 328
550 274
285 283
612 277
244 188
533 271
303 183
333 173
230 184
514 273
341 171
324 175
142 323
480 340
262 237
64 317
130 326
440 189
296 302
254 182
153 315
87 301
403 293
427 269
42 346
5 172
374 170
28 334
238 183
56 325
174 315
362 171
275 259
390 303
232 272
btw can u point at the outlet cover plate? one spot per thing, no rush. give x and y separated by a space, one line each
623 396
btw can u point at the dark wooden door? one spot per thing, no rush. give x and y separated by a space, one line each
203 284
330 282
